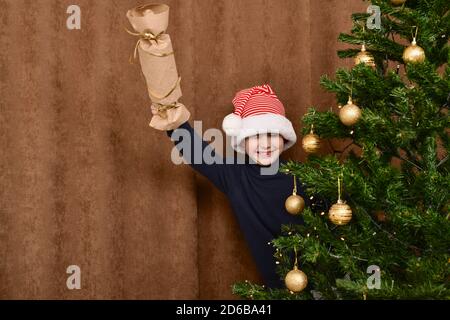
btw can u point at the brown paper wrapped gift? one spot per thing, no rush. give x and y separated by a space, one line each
158 65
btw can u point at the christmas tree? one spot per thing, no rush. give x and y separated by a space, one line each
387 234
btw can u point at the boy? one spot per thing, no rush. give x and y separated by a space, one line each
259 129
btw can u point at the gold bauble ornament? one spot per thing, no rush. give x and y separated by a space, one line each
296 280
414 53
397 2
350 113
364 57
294 204
340 213
311 143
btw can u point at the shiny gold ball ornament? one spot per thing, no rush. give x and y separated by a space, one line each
350 113
296 280
294 204
398 2
340 213
311 143
364 57
413 53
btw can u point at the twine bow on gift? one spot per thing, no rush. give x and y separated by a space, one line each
160 107
146 35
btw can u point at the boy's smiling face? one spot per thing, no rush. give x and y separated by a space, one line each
264 148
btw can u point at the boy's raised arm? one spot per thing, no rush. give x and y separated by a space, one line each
217 171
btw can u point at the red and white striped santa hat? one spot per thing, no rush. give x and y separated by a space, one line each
257 110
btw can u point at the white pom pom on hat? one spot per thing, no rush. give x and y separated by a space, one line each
257 110
232 124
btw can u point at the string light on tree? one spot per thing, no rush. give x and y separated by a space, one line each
311 143
414 53
296 280
294 203
340 213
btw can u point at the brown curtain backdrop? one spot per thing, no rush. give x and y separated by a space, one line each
85 181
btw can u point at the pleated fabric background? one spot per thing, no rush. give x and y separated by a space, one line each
85 181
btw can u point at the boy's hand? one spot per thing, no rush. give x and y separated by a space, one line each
169 119
154 109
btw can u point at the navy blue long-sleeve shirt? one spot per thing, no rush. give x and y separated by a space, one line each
258 200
